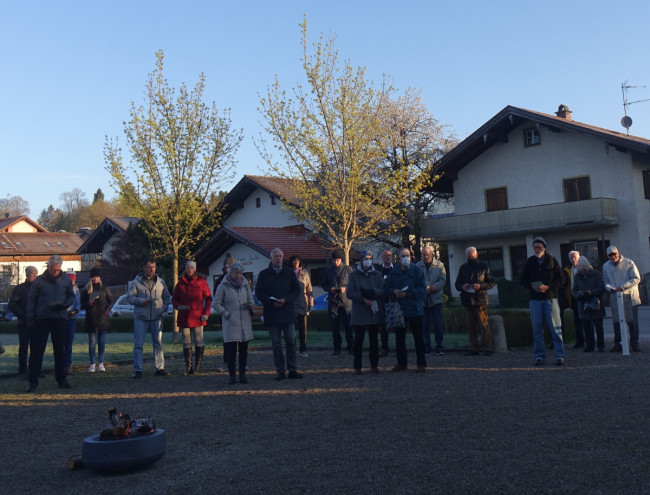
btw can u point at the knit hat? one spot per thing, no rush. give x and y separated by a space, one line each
337 254
539 240
364 254
612 249
95 272
190 264
30 269
583 262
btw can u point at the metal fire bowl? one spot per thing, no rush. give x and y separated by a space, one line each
123 455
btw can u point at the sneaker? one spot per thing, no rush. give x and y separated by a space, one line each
137 375
64 384
559 362
303 355
161 372
539 362
616 348
91 369
101 367
440 353
294 375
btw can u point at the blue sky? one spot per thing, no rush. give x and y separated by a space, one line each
70 69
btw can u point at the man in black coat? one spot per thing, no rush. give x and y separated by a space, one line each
277 287
339 306
18 306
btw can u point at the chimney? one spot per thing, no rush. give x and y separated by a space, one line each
563 112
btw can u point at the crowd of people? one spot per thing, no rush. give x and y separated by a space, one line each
371 298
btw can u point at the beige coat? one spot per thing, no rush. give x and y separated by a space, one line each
232 304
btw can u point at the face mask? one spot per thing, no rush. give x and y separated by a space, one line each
366 263
406 261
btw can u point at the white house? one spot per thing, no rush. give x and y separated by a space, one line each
525 173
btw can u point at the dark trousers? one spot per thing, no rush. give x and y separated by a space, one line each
384 336
588 329
230 351
359 337
38 342
432 315
477 321
340 317
415 325
301 325
577 322
23 346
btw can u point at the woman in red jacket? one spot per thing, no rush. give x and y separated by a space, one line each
192 300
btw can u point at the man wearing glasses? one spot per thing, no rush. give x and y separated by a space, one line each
621 275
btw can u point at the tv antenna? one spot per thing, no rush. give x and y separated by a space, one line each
626 121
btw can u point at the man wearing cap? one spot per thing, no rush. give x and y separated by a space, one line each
48 301
150 298
71 325
18 306
621 275
542 276
339 306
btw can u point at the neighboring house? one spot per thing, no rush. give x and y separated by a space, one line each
525 173
98 245
255 223
24 242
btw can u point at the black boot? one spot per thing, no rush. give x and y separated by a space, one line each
198 358
187 354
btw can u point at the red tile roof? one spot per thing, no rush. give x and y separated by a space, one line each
38 243
292 240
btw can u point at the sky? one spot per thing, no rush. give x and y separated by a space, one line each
69 70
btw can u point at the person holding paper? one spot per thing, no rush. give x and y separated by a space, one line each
621 275
96 299
365 289
473 281
542 276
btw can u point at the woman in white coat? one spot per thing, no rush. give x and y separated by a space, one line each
234 302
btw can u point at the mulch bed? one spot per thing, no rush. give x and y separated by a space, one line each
468 425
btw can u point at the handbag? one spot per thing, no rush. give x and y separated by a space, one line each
394 315
592 306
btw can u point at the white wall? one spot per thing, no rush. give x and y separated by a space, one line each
267 215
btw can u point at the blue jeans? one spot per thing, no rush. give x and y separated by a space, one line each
94 341
432 314
140 328
71 326
546 311
275 332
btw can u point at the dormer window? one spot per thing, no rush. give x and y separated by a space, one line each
47 244
6 245
531 137
258 202
60 244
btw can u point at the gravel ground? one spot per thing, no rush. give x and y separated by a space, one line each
468 425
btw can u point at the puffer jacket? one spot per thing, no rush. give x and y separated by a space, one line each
413 278
49 297
474 272
195 293
365 284
304 304
592 282
436 275
155 290
233 303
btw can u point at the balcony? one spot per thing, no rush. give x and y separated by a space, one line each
576 215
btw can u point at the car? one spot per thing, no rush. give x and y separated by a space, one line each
5 314
320 303
123 308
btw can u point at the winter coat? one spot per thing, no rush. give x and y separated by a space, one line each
335 278
233 303
474 272
73 309
369 285
625 275
548 272
18 300
195 293
436 275
304 304
593 282
155 290
281 285
96 299
413 278
49 297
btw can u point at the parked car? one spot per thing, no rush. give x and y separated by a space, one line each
123 308
5 314
320 303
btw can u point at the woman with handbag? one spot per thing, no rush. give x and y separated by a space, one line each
588 289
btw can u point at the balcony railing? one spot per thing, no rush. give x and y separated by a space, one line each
574 215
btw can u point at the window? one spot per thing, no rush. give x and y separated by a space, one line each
47 244
272 199
531 137
494 258
577 189
20 244
646 183
6 245
518 256
496 199
60 244
258 202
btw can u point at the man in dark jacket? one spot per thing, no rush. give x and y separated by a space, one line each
473 282
339 306
542 276
277 287
18 306
47 313
384 268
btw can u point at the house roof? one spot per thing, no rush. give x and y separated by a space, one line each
497 128
293 240
249 183
6 223
95 241
38 243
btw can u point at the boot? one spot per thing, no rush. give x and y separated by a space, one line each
187 354
198 351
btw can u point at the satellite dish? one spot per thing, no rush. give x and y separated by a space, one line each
626 122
